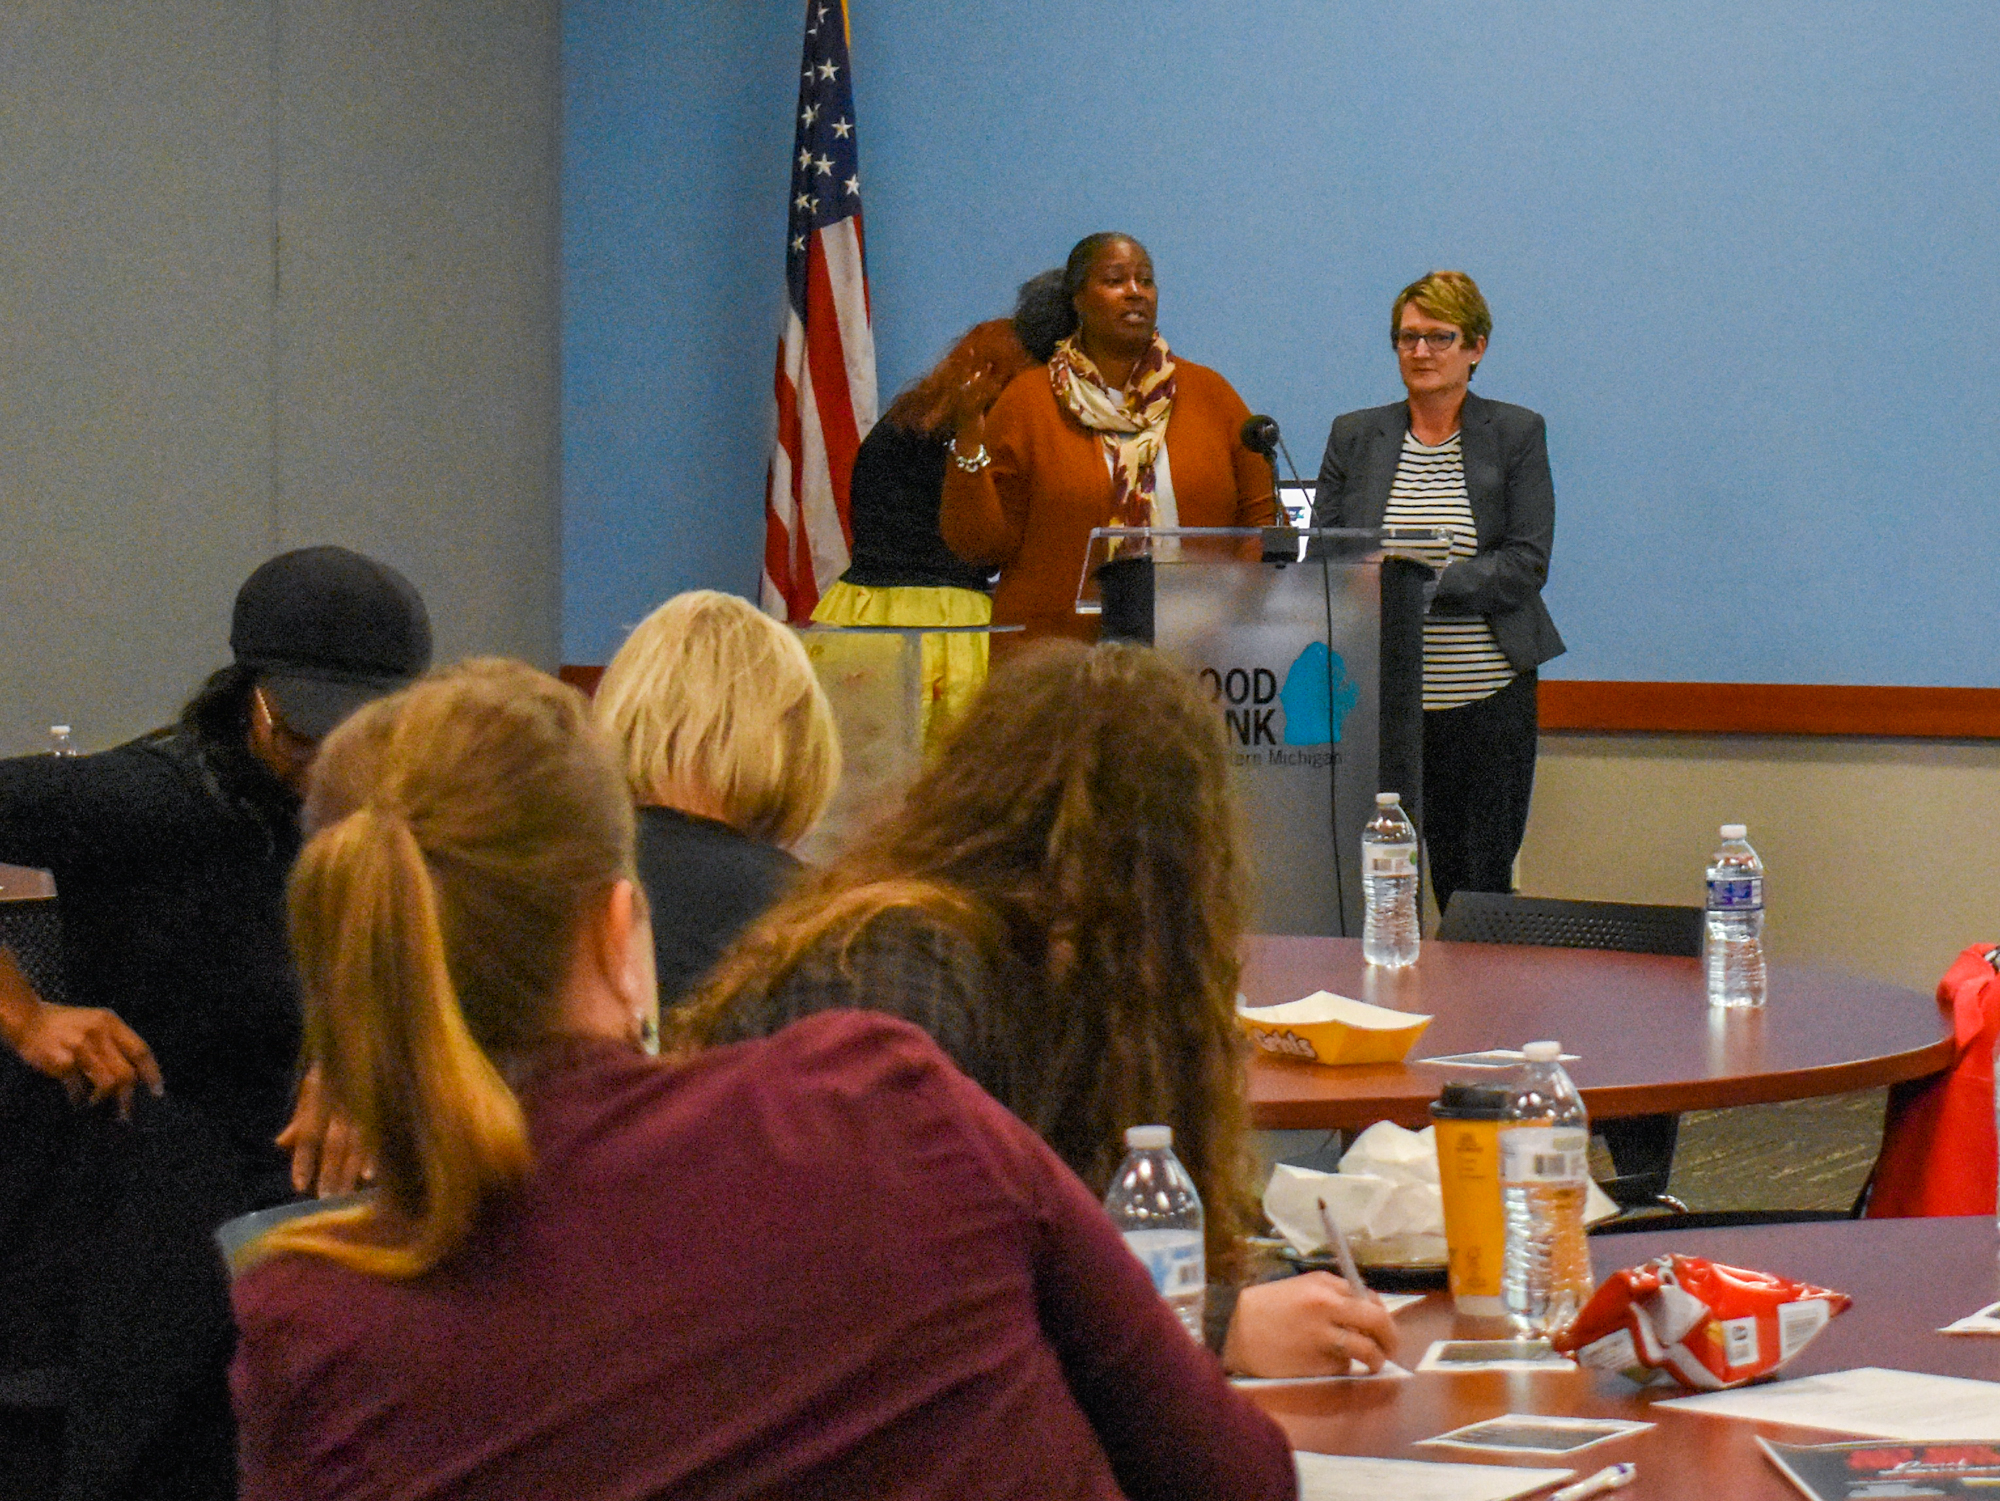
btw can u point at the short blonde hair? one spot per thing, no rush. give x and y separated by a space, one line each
709 696
1449 297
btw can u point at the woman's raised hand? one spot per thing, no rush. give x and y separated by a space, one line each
971 397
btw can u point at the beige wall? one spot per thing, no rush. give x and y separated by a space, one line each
1883 856
270 274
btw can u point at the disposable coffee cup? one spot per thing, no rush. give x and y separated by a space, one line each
1468 1119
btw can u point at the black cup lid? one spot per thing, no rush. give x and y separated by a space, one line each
1470 1102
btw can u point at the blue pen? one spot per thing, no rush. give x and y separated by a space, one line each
1610 1478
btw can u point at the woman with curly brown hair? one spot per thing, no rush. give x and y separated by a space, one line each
1058 902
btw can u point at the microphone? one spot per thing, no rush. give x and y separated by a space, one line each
1260 435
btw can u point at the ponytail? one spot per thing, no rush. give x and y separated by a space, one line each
433 914
1043 314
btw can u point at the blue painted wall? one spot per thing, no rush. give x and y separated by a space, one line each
1739 255
677 130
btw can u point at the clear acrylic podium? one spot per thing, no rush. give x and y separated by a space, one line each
1310 644
874 677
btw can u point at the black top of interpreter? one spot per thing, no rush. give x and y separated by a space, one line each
898 479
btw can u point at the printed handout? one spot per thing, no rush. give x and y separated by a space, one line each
1340 1477
1869 1402
1535 1433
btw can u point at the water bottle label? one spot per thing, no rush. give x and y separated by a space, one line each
1391 860
1736 894
1544 1154
1175 1258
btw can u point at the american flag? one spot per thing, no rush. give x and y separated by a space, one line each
826 359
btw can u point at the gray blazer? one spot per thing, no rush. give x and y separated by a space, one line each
1513 510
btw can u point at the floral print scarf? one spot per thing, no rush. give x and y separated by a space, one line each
1131 423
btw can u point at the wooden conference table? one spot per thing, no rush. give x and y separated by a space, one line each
1647 1041
1906 1277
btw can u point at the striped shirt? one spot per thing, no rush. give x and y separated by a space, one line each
1462 661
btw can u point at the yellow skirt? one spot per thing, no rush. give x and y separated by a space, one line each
954 666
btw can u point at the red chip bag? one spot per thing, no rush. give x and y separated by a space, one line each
1706 1325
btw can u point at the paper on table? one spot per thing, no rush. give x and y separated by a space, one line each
1337 1477
1534 1433
1493 1355
1986 1321
1870 1401
1355 1372
1489 1058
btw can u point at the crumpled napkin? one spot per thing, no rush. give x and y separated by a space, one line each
1385 1198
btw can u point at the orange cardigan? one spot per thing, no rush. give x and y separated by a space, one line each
1031 511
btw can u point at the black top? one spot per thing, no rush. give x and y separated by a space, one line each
911 965
170 866
706 883
893 499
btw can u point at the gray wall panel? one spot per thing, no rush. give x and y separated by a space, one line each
270 274
418 314
134 457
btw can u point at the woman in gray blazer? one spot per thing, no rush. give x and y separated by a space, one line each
1445 457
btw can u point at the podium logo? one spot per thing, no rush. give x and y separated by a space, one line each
1317 697
1307 710
1251 699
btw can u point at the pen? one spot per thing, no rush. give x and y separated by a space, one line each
1344 1254
1610 1478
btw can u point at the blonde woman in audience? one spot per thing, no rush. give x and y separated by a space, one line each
729 749
1059 903
820 1265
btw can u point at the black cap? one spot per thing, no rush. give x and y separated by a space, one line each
326 631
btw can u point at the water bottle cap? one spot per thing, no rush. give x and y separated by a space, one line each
1384 799
1734 830
58 729
1542 1052
1148 1138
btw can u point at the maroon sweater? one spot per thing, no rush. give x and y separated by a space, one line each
824 1264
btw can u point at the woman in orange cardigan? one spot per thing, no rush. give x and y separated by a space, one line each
1114 431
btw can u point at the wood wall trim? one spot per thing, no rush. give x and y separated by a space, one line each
1727 708
581 677
1771 709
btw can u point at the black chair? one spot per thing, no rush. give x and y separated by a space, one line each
1641 1147
1547 922
31 927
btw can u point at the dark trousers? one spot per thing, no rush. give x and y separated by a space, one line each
1479 773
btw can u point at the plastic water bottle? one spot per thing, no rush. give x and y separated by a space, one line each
59 742
1154 1203
1544 1176
1389 935
1733 938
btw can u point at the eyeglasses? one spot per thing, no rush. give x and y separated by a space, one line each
1437 343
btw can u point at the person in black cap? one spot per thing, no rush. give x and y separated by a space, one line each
177 1034
170 852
